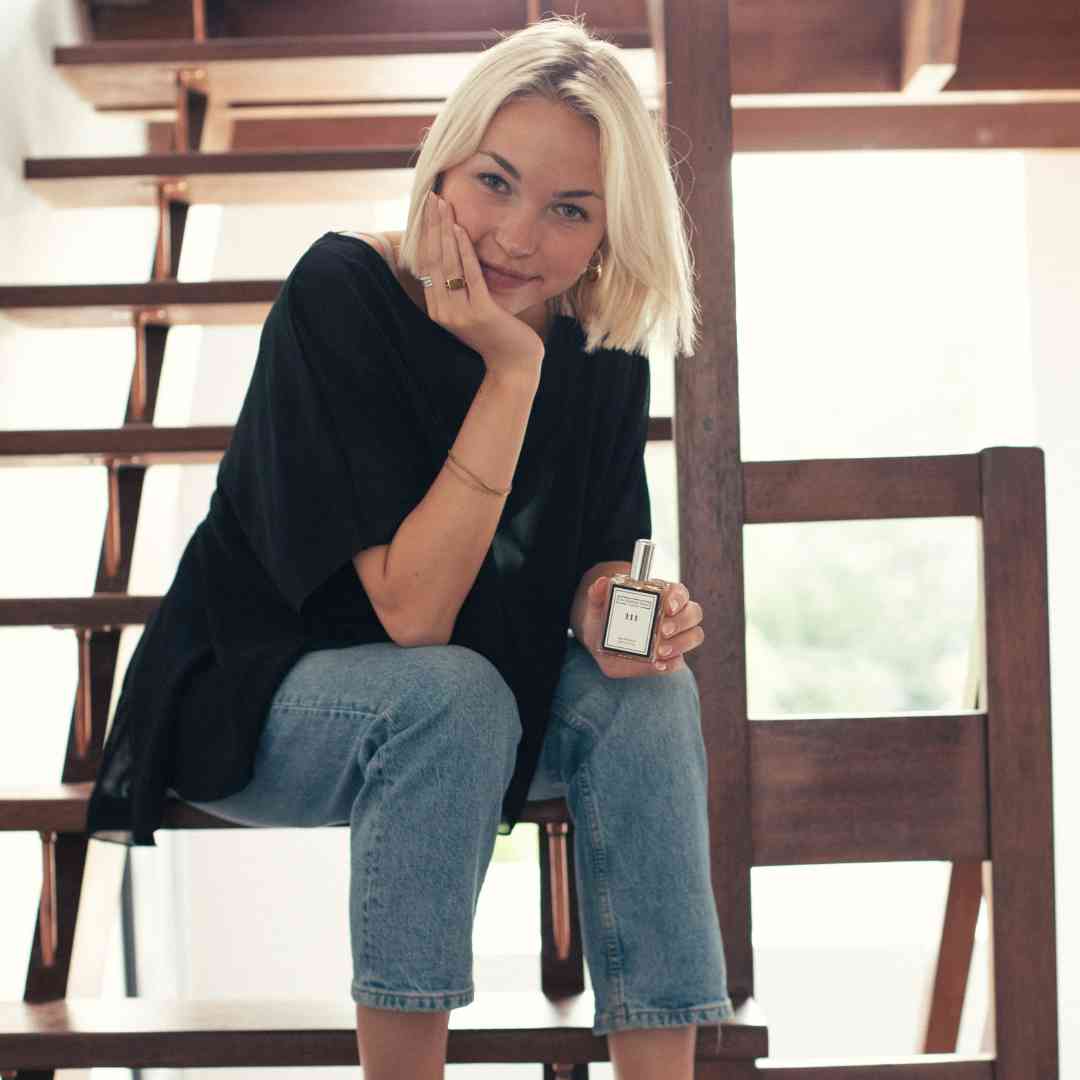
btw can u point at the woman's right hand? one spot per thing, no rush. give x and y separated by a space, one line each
510 347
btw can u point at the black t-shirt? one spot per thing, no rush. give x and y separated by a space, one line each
355 398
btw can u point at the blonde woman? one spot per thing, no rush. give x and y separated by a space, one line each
437 467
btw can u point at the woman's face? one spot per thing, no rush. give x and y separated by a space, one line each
531 201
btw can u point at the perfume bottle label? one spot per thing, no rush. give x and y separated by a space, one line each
631 617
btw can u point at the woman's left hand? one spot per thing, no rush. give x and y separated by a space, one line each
681 615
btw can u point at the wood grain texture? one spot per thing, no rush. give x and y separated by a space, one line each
175 303
921 1067
868 789
709 473
1019 767
955 951
496 1027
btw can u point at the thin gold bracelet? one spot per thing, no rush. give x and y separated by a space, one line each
455 470
453 461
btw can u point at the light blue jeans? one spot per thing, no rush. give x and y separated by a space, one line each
415 747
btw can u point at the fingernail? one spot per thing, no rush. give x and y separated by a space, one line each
661 667
665 650
672 607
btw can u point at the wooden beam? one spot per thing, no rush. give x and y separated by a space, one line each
697 47
938 124
509 1026
850 789
915 1067
1019 770
930 44
855 52
955 950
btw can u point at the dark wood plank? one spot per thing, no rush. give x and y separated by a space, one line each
826 789
1010 46
148 1033
937 125
941 125
954 957
225 178
293 127
62 808
830 489
854 489
693 39
1020 771
175 303
135 444
921 1067
100 612
868 789
845 49
340 67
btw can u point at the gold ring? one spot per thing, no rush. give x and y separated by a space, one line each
455 283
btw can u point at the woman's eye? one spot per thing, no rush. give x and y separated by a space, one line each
490 176
581 215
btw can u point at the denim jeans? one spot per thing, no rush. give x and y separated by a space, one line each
415 747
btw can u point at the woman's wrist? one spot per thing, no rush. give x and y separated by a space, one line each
517 382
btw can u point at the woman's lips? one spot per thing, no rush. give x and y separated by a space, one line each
502 282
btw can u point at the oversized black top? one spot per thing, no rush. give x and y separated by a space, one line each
355 398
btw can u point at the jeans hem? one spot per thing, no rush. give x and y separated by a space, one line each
625 1017
411 1001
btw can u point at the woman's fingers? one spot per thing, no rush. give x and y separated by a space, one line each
432 251
451 255
470 265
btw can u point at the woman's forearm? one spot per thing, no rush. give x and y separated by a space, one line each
439 548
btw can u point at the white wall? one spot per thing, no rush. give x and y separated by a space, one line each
939 320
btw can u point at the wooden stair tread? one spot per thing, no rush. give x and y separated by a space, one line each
101 611
179 303
233 177
133 444
777 61
135 75
62 807
826 789
824 489
84 1032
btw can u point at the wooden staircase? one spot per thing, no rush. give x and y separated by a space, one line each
795 791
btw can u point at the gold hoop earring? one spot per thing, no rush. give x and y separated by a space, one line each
595 267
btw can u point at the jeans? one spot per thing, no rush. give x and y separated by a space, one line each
415 747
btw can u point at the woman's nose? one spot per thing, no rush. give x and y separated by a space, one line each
517 235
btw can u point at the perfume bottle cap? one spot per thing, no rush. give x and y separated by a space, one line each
643 557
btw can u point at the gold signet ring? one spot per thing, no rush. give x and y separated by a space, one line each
454 283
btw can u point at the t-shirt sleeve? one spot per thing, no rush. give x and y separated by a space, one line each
622 512
324 457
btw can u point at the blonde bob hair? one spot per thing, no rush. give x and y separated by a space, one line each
644 301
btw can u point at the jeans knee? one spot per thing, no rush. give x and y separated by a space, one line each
477 709
667 712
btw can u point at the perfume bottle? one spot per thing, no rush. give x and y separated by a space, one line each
631 626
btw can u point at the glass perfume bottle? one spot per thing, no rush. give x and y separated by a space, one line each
631 626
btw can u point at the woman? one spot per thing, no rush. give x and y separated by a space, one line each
438 466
